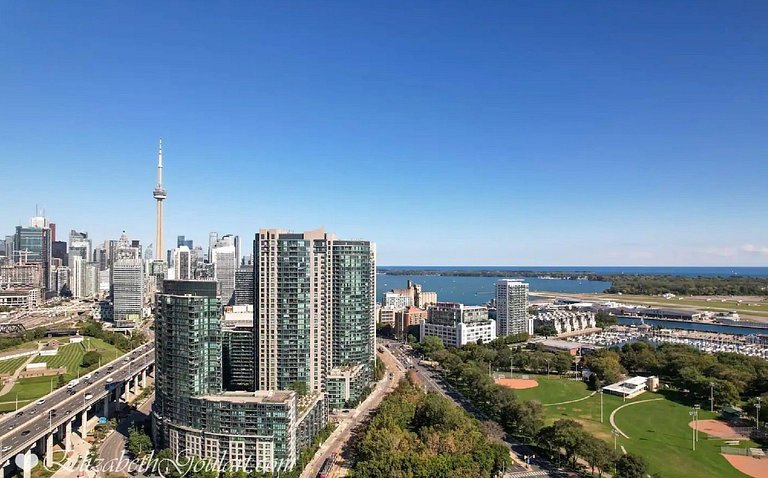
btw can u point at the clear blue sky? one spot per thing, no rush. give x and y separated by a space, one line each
457 133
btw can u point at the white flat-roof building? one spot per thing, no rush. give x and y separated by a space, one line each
630 387
458 324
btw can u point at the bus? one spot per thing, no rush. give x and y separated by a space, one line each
325 470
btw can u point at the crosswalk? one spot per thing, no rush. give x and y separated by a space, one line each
525 474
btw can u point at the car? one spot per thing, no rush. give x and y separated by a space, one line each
88 396
33 411
96 372
41 401
67 412
6 448
11 427
25 433
109 379
20 414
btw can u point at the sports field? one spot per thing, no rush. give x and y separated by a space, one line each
658 430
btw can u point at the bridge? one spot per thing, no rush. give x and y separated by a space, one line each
37 426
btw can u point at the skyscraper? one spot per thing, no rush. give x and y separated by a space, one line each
193 415
314 312
159 194
244 285
128 291
512 308
79 255
32 245
224 259
182 261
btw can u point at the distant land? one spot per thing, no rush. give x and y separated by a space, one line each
704 281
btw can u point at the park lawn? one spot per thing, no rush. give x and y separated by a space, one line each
657 430
71 356
10 366
28 389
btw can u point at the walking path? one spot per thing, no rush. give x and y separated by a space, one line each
569 401
613 424
12 380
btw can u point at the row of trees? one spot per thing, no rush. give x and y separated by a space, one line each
123 343
421 435
727 376
682 285
567 441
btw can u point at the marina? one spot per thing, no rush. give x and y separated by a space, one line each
707 342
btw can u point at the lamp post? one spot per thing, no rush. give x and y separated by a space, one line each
615 434
601 404
694 414
757 413
547 369
711 397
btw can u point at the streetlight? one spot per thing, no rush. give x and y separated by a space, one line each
694 414
615 434
601 403
757 413
711 397
547 369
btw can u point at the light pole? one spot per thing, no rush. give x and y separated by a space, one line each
695 415
601 404
615 434
547 369
711 397
757 413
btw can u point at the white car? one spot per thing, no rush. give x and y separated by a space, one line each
88 396
41 401
109 379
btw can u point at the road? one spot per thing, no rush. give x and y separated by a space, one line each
113 446
19 429
339 439
432 381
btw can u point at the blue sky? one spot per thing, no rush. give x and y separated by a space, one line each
456 133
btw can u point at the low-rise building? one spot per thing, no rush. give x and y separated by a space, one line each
565 321
21 298
458 324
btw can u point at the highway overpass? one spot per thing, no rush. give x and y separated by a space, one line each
36 427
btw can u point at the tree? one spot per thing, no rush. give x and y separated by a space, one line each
299 387
597 453
547 330
631 466
604 319
60 382
431 344
90 358
605 364
139 443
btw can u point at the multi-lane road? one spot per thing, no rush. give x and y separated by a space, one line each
21 429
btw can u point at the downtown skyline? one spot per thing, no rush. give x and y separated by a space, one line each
465 129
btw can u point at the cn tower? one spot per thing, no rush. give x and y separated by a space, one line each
159 194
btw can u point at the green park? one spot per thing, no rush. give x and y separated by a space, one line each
77 359
657 426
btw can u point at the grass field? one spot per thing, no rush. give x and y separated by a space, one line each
71 356
10 366
657 430
28 389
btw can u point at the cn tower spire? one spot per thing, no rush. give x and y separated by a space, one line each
159 194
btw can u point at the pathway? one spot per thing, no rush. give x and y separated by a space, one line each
12 380
613 424
569 401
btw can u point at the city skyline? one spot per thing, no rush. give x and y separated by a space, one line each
565 136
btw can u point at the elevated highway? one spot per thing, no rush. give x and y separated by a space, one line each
36 427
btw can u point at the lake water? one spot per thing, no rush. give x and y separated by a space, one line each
479 290
649 270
